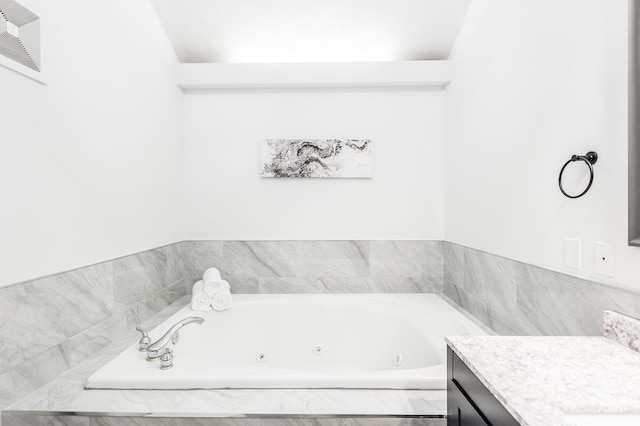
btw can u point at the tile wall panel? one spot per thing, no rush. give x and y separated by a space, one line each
515 298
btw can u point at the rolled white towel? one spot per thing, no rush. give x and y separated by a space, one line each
211 274
199 300
221 301
211 288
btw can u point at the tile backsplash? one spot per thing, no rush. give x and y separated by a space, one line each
50 324
515 298
320 266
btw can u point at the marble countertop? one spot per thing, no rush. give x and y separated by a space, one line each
66 394
539 380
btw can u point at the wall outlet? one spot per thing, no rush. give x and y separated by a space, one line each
573 253
605 261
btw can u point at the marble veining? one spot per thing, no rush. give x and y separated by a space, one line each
44 420
515 298
539 379
51 323
332 250
73 315
622 329
316 158
200 255
33 373
320 266
256 259
67 394
135 277
407 259
41 314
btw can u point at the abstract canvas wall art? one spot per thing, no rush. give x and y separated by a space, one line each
317 158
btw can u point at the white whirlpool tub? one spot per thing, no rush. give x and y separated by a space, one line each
363 341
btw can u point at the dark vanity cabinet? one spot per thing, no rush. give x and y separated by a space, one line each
469 402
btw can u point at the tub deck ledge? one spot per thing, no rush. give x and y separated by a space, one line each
66 395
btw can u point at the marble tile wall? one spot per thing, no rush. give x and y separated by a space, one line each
51 420
53 323
515 298
319 266
50 324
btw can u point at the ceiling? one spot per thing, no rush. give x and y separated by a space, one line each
267 31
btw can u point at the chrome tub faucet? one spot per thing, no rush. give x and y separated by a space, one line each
157 349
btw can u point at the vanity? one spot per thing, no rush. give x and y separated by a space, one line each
546 380
469 402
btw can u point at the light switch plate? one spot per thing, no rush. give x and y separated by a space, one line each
605 260
573 253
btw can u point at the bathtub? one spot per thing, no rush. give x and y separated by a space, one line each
385 341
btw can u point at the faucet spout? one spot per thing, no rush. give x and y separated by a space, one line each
156 349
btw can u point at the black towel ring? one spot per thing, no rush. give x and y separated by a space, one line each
590 158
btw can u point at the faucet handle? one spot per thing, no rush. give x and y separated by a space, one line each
145 340
166 360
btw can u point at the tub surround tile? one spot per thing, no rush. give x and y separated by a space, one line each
326 268
239 285
50 420
403 285
492 281
468 315
539 379
552 303
454 294
320 266
175 264
29 324
24 378
41 314
337 285
83 345
200 255
258 259
313 250
292 285
492 278
45 420
170 421
408 259
50 323
67 394
515 298
72 317
135 277
453 265
622 329
86 309
362 421
85 294
155 302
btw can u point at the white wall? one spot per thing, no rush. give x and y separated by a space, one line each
225 197
536 81
90 164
